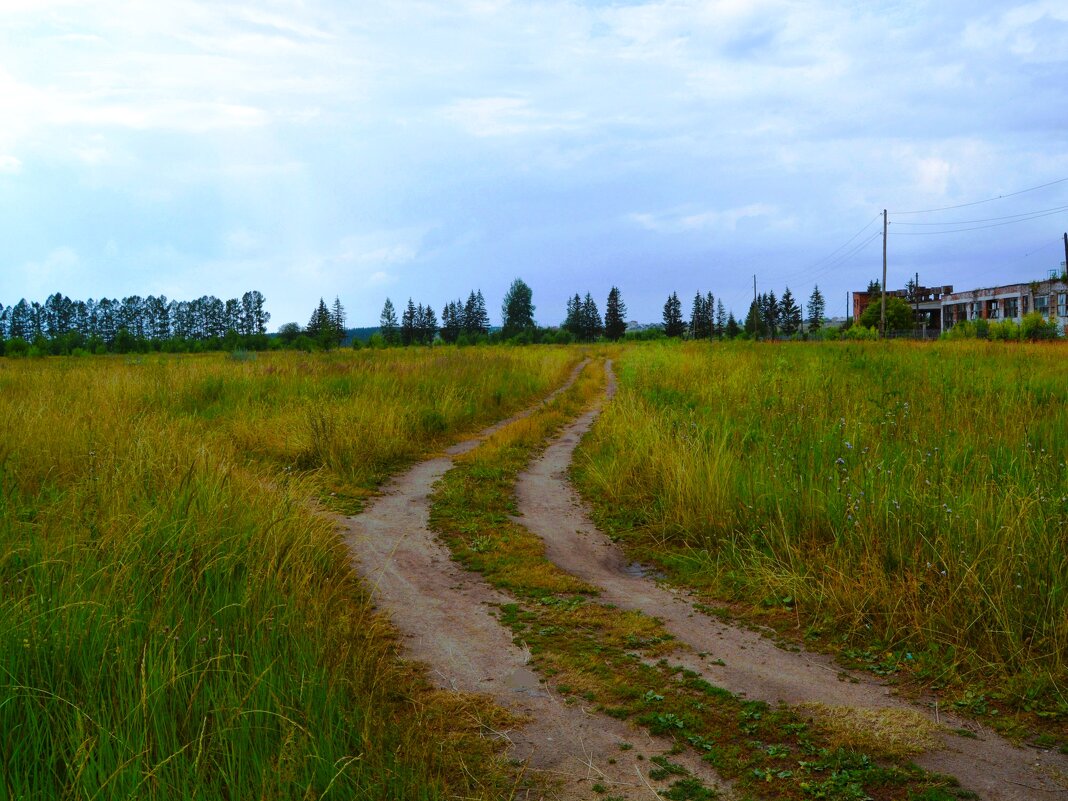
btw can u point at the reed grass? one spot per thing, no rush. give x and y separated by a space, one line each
175 621
908 500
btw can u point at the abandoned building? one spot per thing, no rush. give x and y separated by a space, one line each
940 308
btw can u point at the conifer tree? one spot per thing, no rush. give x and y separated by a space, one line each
337 321
789 313
815 309
387 323
615 316
591 325
732 329
320 327
673 323
573 319
482 320
721 319
698 314
407 331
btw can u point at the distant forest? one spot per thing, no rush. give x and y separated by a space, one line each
134 324
62 325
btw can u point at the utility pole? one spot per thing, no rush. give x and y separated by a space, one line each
882 310
754 288
1066 252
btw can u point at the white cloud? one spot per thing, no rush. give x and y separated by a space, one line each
507 116
711 219
10 164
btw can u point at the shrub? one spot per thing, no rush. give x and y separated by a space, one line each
860 333
17 347
1005 330
1035 326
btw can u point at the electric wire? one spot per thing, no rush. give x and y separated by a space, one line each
980 202
973 228
809 271
986 219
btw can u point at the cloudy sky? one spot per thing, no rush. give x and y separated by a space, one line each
367 149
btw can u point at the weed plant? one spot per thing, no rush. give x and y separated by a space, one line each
614 658
175 622
909 499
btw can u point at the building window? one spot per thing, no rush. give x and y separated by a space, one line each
1012 307
1042 304
1062 304
1023 304
993 310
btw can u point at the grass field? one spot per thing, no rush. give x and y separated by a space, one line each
908 502
175 622
617 660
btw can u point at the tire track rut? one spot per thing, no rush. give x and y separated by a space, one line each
445 615
753 666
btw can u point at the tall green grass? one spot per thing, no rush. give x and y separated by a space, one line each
174 620
908 497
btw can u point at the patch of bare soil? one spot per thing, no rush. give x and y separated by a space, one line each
753 665
446 617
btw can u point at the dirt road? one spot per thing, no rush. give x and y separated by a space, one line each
753 665
446 616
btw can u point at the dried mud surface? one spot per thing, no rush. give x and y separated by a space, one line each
753 665
446 616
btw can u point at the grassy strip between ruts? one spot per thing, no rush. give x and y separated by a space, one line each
616 659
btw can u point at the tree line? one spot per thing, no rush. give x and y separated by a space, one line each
770 317
63 325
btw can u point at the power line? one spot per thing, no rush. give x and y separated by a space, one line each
974 228
1040 248
979 202
807 272
987 219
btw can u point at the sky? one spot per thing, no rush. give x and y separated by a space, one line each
366 150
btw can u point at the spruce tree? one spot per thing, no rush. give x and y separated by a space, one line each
698 313
721 319
482 320
320 328
815 309
771 314
591 324
387 323
615 316
755 320
337 321
732 329
789 313
673 322
573 317
407 330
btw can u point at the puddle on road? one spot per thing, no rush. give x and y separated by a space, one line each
524 680
638 570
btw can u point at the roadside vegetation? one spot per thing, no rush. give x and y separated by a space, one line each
619 660
176 622
904 504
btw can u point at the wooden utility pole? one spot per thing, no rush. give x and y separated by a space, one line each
754 288
882 310
1066 252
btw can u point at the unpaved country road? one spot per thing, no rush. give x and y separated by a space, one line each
444 614
754 665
